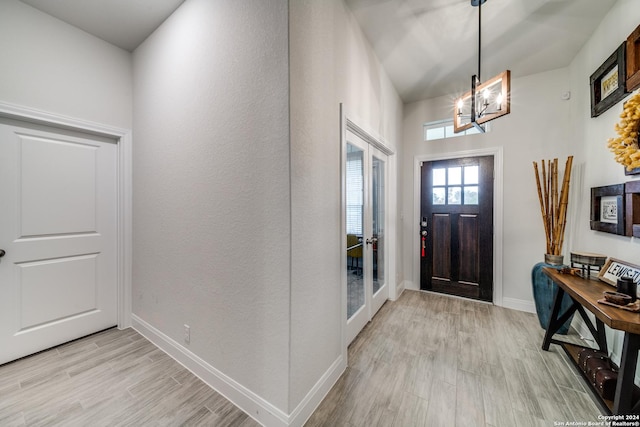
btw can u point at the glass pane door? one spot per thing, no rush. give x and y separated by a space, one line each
355 228
378 188
365 206
377 206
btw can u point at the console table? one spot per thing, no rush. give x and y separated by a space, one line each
585 294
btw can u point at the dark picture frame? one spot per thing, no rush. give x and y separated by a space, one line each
631 172
632 208
608 83
633 60
608 209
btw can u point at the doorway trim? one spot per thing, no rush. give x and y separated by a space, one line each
123 139
497 153
349 122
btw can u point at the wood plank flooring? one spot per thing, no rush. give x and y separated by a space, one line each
436 361
113 378
425 360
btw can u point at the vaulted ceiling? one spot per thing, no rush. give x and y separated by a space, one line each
428 47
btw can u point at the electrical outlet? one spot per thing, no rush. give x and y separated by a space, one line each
187 334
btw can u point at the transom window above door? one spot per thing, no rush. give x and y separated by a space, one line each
456 185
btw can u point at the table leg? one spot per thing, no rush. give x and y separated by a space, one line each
602 337
553 326
597 332
623 402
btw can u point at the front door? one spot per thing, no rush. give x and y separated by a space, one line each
58 237
366 199
456 227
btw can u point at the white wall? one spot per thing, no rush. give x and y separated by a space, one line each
598 165
537 128
211 188
51 66
331 62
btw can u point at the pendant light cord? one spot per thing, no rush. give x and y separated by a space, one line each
479 37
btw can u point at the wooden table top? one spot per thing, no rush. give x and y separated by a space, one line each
587 292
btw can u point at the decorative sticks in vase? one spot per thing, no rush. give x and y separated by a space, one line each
553 206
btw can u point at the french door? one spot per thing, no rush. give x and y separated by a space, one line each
365 233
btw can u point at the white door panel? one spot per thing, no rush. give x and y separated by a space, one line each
54 203
58 279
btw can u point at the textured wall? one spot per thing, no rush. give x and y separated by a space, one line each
331 63
51 66
597 166
597 163
211 187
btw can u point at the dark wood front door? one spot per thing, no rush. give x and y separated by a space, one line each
456 229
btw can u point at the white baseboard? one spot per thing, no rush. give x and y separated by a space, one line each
255 406
408 284
399 290
318 392
581 328
519 304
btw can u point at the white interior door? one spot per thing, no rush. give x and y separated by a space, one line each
366 261
58 231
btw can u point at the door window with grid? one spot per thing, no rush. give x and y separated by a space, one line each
456 185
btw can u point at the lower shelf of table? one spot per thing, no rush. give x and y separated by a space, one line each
572 351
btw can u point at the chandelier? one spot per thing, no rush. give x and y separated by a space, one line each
485 101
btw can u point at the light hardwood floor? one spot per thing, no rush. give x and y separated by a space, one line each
435 361
113 378
425 360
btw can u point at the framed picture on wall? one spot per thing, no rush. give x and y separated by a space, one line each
635 171
608 83
632 208
607 209
633 60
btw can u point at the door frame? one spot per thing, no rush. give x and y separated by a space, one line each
497 153
123 140
348 122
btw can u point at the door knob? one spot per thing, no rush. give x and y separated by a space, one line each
372 241
2 253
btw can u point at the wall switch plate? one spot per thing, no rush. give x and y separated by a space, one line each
187 334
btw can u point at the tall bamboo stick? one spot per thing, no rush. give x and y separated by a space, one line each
554 201
546 198
542 203
564 201
554 191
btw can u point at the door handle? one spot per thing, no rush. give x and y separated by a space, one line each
2 253
372 241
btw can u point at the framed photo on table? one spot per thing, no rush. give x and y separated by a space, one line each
608 83
615 269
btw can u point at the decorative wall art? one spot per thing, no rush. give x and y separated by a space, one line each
633 60
625 146
607 209
608 82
